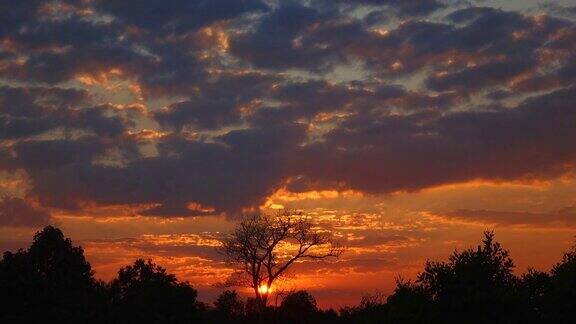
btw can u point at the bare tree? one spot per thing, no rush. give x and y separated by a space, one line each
263 247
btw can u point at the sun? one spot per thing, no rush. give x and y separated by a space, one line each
264 289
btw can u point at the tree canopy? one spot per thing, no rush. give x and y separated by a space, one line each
51 281
262 248
145 292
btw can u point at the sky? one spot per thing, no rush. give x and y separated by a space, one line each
146 129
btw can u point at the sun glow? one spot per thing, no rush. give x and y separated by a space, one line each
264 289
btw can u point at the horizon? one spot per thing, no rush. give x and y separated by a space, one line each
208 293
403 128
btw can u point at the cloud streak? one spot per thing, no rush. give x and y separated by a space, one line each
193 109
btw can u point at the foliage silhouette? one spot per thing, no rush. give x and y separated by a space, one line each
534 291
145 293
51 281
409 303
560 304
253 249
299 306
229 308
474 286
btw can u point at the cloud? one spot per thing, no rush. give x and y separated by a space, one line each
203 113
17 212
220 104
240 171
273 44
14 15
37 155
26 112
406 153
31 111
478 77
563 217
178 16
405 7
237 99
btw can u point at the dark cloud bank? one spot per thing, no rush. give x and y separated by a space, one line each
448 93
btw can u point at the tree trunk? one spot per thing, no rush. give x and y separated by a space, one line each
260 300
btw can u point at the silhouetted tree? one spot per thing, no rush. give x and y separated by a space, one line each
252 309
253 249
534 290
145 293
410 303
299 307
371 310
561 301
229 308
50 282
474 286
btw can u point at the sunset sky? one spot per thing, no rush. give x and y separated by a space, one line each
145 129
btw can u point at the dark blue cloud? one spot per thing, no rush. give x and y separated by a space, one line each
219 103
240 171
180 15
17 212
38 155
479 77
404 7
274 42
394 153
203 113
26 112
238 98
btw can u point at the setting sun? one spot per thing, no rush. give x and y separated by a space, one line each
264 289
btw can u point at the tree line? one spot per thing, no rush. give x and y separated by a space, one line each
52 282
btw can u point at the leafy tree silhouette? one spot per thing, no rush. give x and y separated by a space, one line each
51 281
474 286
252 309
560 306
254 249
410 303
145 293
534 289
229 308
299 306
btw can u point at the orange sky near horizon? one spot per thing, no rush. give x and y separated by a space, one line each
386 236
